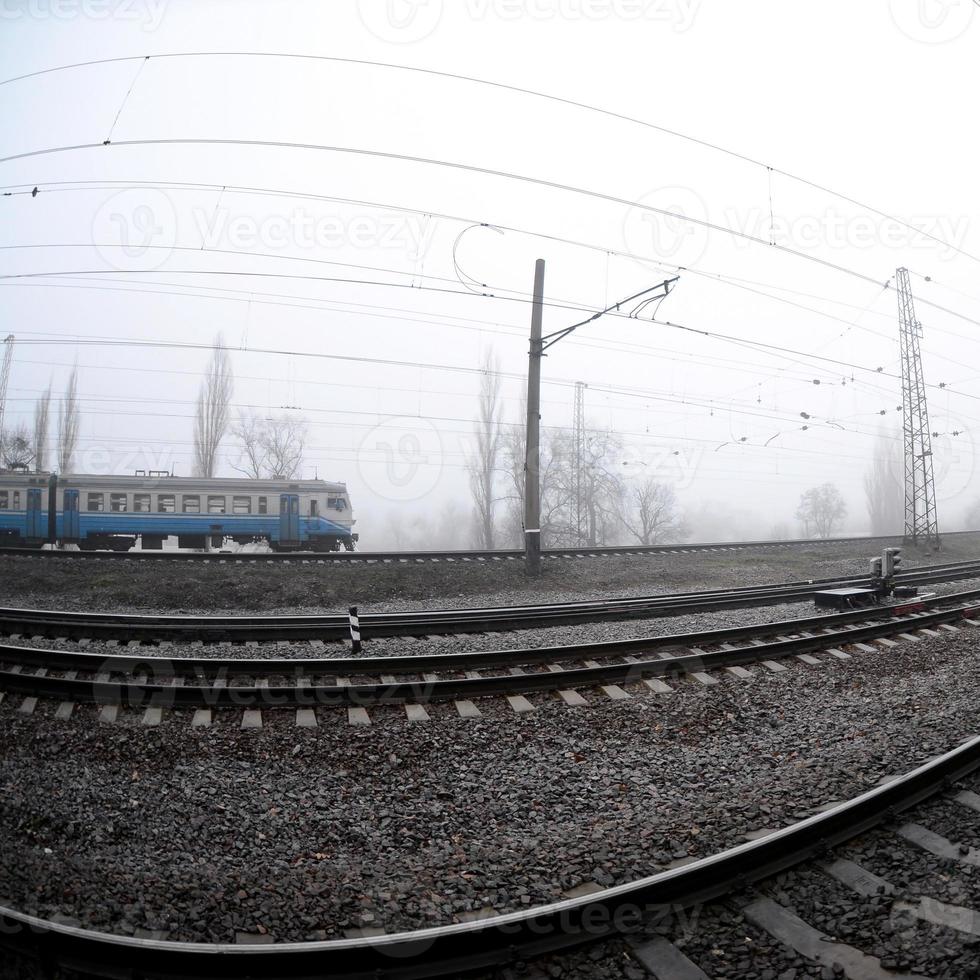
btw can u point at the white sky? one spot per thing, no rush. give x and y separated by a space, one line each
872 100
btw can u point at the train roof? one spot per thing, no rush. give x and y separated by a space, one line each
242 484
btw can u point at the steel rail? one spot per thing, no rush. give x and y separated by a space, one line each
303 693
449 555
418 663
463 948
161 627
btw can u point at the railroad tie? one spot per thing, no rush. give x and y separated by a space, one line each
703 678
152 716
467 709
416 712
358 716
615 692
572 698
519 703
252 718
793 932
938 845
109 713
306 718
201 718
64 710
665 961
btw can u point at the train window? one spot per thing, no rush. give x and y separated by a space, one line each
241 505
4 500
16 500
95 502
263 505
117 503
336 503
141 503
216 505
191 504
314 510
166 503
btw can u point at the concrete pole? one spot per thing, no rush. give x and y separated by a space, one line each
532 476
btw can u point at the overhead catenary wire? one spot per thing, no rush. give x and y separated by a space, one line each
503 86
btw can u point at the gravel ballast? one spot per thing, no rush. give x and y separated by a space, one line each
303 834
299 586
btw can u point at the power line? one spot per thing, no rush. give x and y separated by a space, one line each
457 76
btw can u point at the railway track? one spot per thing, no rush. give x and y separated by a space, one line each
418 623
511 939
423 557
358 683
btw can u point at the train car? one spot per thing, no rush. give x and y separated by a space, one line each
114 512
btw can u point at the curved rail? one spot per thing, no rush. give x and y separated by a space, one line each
140 689
425 622
462 948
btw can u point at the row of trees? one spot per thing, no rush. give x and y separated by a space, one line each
24 447
585 499
270 448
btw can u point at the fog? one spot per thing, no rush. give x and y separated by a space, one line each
362 235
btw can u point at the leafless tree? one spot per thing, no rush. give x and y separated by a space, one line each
284 441
650 512
248 431
68 424
42 411
272 448
883 487
213 402
18 449
821 509
484 461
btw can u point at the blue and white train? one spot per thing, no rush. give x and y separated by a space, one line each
114 512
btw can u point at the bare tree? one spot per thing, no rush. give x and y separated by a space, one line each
248 431
483 463
68 423
650 512
272 448
18 450
822 509
284 441
213 401
42 411
883 487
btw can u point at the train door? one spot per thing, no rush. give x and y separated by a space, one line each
37 519
289 519
69 517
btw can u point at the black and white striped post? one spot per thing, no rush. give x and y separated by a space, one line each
355 629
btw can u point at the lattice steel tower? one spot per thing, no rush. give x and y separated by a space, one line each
921 526
578 439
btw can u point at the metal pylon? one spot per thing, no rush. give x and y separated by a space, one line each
578 438
921 526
